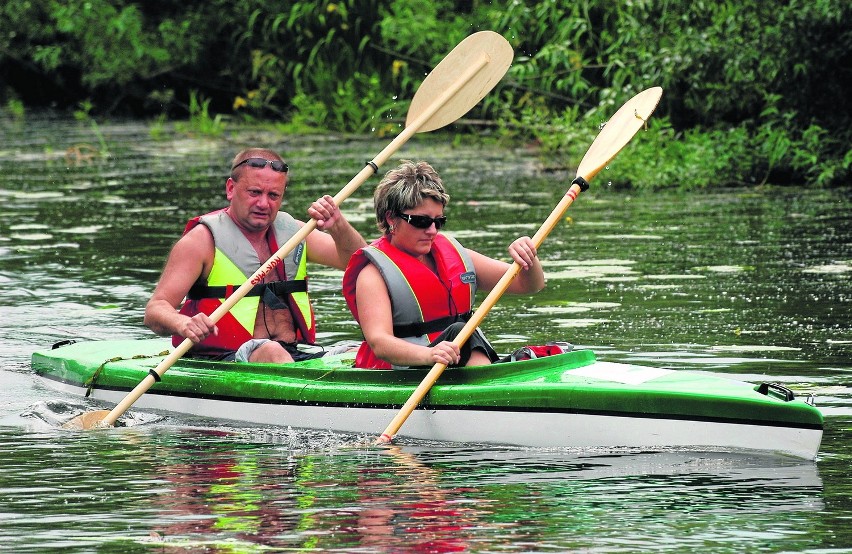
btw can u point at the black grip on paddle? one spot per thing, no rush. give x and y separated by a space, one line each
372 164
584 185
155 375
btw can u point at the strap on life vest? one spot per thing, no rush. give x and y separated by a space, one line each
427 327
278 288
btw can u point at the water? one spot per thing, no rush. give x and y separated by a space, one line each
749 283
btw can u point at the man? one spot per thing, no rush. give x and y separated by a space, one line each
219 251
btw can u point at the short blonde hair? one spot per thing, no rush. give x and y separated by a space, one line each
404 188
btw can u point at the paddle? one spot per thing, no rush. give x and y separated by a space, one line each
609 142
450 90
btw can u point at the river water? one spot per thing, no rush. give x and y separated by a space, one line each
752 283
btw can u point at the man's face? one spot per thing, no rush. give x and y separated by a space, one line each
256 197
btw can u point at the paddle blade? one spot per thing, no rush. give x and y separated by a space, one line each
88 420
486 49
618 131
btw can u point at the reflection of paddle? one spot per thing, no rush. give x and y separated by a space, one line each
609 142
455 86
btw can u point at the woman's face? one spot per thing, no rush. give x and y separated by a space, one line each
413 240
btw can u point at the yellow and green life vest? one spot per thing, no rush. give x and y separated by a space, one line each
235 261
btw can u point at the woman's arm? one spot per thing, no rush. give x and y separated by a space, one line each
376 318
530 278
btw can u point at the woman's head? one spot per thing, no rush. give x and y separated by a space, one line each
404 188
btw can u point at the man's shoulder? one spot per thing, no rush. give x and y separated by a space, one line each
199 236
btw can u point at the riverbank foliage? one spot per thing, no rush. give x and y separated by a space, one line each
755 91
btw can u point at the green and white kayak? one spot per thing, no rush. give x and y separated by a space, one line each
568 400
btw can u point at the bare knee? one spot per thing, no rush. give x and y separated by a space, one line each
270 353
478 357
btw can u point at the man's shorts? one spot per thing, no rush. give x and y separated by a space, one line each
245 351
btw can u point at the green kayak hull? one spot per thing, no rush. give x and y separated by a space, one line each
568 400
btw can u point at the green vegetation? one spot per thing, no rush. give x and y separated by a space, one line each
201 122
755 91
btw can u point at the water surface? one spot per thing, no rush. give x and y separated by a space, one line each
752 283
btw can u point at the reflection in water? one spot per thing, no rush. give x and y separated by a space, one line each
372 499
195 488
204 485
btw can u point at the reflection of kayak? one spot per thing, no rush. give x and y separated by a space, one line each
567 400
735 471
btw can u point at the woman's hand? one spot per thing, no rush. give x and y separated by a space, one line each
523 251
446 353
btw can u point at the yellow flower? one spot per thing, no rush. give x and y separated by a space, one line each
398 66
240 102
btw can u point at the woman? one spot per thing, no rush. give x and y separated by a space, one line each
412 290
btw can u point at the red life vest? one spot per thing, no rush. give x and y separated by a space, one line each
423 303
234 262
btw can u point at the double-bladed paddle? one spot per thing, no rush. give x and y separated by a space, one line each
615 135
450 90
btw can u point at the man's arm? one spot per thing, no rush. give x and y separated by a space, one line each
190 258
340 240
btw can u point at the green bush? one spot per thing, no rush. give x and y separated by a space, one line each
754 90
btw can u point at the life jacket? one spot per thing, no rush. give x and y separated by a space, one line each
236 260
423 303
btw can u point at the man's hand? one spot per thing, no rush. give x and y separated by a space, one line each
197 328
325 212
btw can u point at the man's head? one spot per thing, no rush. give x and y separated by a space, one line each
256 158
256 188
406 187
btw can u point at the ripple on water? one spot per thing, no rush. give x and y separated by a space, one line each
31 236
835 268
725 268
753 348
82 230
674 277
597 272
574 307
631 237
36 195
28 226
578 322
462 234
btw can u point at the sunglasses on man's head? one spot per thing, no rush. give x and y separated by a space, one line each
260 163
424 221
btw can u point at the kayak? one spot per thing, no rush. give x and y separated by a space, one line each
567 400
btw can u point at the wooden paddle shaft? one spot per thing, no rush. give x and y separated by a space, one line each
613 137
477 317
433 109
